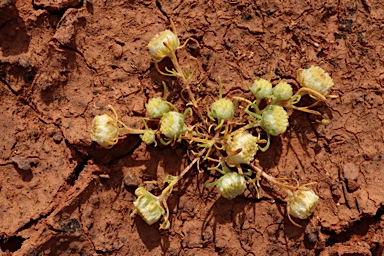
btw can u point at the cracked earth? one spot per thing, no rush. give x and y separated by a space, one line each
62 62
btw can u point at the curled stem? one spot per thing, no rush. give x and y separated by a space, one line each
273 180
242 99
125 128
314 94
306 109
265 148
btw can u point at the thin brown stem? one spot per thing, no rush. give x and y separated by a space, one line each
125 128
273 180
305 109
314 94
186 84
165 193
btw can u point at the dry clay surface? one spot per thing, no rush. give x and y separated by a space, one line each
62 62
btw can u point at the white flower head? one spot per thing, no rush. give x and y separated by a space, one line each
302 204
282 91
157 47
157 107
274 120
231 185
248 145
261 88
172 124
148 137
223 109
316 79
105 131
149 208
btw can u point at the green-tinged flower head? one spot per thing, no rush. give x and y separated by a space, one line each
231 185
157 107
303 203
223 109
157 47
148 206
261 88
172 124
248 145
316 79
274 120
148 137
282 91
105 131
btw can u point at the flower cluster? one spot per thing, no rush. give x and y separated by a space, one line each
226 139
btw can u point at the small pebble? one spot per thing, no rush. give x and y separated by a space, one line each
22 163
312 233
57 137
130 180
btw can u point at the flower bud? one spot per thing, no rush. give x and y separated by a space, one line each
148 137
223 109
316 79
105 131
148 206
157 107
261 88
274 120
172 124
303 203
231 185
248 145
282 91
157 47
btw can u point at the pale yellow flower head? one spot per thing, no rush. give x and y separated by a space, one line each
157 47
148 206
261 88
223 109
172 124
303 203
274 120
157 107
105 131
282 91
316 79
148 137
231 185
248 145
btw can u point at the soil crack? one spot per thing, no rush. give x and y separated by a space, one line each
80 54
9 86
158 5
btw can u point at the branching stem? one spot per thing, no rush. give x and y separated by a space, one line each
166 192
